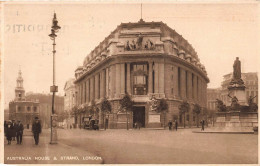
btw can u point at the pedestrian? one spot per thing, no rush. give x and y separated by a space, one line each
36 129
13 130
19 132
5 124
138 125
135 125
170 125
202 125
176 125
8 132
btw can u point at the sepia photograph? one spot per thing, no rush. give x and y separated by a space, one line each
123 82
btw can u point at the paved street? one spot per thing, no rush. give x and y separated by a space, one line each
143 146
44 153
162 146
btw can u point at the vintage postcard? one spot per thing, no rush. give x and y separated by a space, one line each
116 82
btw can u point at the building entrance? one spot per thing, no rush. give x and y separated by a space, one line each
139 115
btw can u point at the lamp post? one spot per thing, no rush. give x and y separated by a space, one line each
54 29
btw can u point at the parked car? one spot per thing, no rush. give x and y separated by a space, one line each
89 123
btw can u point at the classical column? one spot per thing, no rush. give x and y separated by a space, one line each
97 88
107 82
156 77
150 78
190 87
91 88
112 80
175 81
122 77
198 91
117 80
128 79
102 83
183 84
88 91
161 78
195 88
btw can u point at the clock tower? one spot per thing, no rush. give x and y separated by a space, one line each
19 90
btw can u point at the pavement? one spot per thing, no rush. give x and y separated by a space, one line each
145 146
165 147
45 153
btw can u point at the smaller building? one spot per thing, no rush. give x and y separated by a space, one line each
20 108
69 100
45 104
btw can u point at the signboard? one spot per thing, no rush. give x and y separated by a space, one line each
154 119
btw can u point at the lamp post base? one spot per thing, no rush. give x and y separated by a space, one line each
54 137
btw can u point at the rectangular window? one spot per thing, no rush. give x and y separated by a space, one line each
172 90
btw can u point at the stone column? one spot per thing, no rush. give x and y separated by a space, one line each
161 78
189 86
183 84
88 96
122 76
195 88
150 78
156 77
97 88
128 79
175 81
117 80
112 80
198 91
84 91
107 82
102 84
91 88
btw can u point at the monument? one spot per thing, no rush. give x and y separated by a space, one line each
240 113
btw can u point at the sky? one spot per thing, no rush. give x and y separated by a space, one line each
218 32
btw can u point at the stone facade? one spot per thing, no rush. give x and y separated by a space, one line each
142 59
21 108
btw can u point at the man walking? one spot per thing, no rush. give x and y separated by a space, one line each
176 125
19 132
13 130
170 125
202 125
36 129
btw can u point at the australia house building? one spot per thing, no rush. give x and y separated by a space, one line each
145 60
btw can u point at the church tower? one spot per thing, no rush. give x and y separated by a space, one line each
19 90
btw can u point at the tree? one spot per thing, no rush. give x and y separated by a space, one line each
163 108
126 105
105 108
93 108
197 110
184 107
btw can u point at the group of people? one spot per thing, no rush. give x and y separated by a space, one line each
170 125
14 131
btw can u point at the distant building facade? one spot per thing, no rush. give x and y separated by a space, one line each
212 95
143 59
69 96
69 100
45 105
21 108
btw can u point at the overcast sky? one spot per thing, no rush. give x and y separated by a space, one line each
218 32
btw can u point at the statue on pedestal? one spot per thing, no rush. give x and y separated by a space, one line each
237 81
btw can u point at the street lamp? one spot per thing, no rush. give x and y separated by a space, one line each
54 29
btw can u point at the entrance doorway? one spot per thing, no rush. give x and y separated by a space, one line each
139 115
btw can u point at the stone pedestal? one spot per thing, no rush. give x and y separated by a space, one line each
154 120
54 137
240 94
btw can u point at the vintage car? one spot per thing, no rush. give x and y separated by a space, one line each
90 123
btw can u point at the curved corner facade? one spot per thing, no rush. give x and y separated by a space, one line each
142 59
